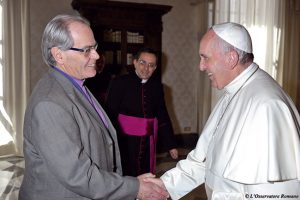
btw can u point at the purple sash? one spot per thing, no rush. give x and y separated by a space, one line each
138 126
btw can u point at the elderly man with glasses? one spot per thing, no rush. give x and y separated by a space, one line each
70 145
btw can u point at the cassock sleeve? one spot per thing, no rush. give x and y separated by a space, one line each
187 175
114 97
166 137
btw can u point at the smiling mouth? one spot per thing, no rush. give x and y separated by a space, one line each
92 65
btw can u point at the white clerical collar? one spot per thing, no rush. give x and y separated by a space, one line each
144 80
234 85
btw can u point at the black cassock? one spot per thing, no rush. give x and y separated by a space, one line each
127 95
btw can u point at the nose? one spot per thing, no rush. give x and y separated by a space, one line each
94 54
202 66
147 67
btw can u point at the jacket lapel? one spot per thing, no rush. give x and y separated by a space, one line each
76 94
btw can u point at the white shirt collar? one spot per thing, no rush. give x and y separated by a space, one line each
234 85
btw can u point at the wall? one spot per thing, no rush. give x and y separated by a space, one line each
180 45
40 14
180 40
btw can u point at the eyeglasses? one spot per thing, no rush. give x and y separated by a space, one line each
144 63
86 50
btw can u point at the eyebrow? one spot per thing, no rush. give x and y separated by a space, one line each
88 46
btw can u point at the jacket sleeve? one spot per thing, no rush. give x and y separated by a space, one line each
60 136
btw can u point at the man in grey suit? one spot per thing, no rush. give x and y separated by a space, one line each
70 145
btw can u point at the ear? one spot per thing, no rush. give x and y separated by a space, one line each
135 63
232 59
57 55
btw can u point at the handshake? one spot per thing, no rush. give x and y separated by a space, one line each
151 188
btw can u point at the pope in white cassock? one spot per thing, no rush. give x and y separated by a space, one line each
249 147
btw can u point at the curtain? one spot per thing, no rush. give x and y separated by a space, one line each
203 83
291 51
15 72
264 21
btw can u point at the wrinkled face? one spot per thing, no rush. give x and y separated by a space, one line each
145 65
80 65
212 61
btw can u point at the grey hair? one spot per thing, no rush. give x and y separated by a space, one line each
225 47
57 34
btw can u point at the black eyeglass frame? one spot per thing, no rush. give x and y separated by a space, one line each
85 50
144 63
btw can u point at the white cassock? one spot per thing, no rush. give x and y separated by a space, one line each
249 147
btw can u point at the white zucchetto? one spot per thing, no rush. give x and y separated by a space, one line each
235 34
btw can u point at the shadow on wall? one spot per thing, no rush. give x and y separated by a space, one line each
168 95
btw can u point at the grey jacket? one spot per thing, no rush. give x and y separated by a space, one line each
69 153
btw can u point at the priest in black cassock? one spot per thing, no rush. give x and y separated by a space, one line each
136 106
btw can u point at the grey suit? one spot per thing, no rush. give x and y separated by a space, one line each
69 153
